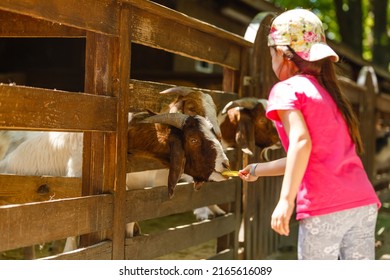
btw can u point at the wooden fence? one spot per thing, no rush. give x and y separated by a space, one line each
97 206
371 105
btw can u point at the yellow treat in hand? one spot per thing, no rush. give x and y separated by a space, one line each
230 173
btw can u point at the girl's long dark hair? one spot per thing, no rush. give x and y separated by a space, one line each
325 73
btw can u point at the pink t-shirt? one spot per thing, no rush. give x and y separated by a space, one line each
335 178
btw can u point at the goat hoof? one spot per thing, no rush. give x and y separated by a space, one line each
197 185
203 213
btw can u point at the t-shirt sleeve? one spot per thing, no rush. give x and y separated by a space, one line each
282 97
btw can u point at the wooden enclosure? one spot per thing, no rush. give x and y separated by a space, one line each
37 209
97 206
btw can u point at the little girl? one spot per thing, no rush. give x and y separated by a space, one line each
336 204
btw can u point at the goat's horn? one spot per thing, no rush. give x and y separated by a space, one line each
216 128
211 118
174 119
246 102
264 102
183 91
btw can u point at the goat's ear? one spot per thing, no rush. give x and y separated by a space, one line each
177 163
245 135
176 106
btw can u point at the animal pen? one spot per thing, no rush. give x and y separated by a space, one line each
40 209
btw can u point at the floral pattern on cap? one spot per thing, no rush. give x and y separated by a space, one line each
300 29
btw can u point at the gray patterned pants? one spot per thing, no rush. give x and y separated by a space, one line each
345 235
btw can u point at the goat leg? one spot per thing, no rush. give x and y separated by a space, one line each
198 185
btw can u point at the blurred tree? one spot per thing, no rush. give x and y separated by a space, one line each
363 25
381 30
350 14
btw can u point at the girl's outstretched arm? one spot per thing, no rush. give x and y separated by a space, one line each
262 169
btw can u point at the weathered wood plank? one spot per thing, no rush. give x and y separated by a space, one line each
42 109
108 73
100 251
23 189
164 12
95 15
116 153
146 95
262 75
172 240
367 80
351 89
41 222
383 103
259 200
157 31
17 25
153 203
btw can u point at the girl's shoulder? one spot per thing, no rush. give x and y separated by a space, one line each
297 83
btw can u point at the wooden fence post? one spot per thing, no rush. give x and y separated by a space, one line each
263 77
367 109
108 73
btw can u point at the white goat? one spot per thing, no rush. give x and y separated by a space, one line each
43 153
9 140
46 153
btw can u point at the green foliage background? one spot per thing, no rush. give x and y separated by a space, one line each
325 10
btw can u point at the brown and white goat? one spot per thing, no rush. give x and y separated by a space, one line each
185 144
191 102
244 125
194 102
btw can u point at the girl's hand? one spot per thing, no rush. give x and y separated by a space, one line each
281 216
245 174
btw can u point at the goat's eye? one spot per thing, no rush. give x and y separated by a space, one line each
191 111
194 141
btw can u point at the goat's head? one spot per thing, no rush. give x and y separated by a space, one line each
193 102
193 148
244 125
